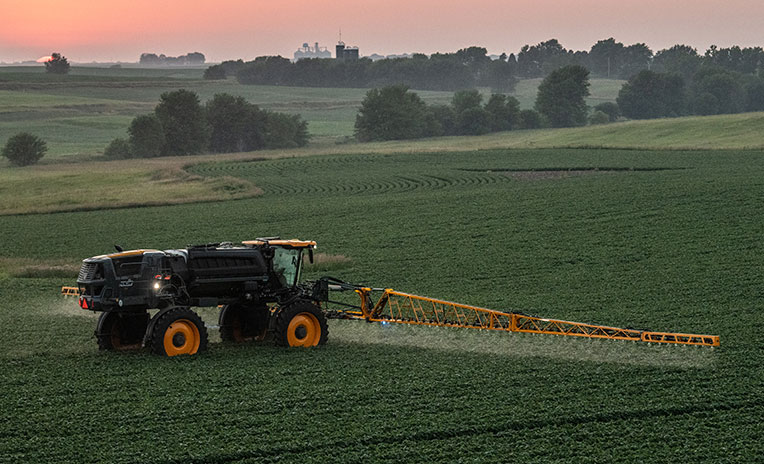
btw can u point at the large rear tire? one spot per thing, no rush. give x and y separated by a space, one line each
121 331
243 324
178 331
301 324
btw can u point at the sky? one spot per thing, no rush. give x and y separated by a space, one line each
120 30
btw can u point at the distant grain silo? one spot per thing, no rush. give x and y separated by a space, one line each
311 52
346 53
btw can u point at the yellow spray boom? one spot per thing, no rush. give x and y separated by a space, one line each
404 308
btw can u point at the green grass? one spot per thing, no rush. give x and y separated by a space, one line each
671 244
106 98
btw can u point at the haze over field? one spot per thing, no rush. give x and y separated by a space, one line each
121 30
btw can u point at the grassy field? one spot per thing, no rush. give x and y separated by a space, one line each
664 240
62 185
80 113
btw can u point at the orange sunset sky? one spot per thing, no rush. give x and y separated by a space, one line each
120 30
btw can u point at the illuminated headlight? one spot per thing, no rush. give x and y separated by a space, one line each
156 285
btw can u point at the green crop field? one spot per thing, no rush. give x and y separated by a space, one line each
657 239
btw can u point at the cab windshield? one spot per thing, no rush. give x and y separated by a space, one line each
286 265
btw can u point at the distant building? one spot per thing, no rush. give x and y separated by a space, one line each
346 53
311 52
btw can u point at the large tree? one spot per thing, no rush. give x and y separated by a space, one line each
183 121
236 124
147 139
717 91
560 97
679 59
652 95
57 64
391 113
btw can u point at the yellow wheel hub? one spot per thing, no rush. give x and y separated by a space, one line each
182 337
304 330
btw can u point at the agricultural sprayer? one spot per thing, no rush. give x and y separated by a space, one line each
256 285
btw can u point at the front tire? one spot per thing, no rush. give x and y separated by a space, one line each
301 324
178 331
121 331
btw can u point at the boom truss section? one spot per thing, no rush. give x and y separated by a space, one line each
405 308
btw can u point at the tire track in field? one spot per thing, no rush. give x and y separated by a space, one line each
347 175
498 430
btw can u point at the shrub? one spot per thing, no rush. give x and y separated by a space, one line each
504 112
529 119
118 148
611 109
215 72
474 121
24 149
57 64
650 95
599 117
285 130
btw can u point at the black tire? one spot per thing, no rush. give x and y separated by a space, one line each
243 324
301 324
121 331
178 331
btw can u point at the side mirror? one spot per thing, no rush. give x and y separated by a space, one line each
310 255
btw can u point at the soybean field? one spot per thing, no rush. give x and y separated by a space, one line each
656 239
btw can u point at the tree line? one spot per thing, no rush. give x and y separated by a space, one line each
464 69
472 67
395 113
152 59
181 125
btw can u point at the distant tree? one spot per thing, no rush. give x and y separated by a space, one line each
530 119
679 59
150 59
599 117
503 111
147 137
285 130
636 57
501 74
195 58
474 121
610 109
391 113
466 99
542 58
754 90
236 124
215 72
560 97
118 148
444 118
724 86
606 58
183 122
24 149
743 60
652 95
57 64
